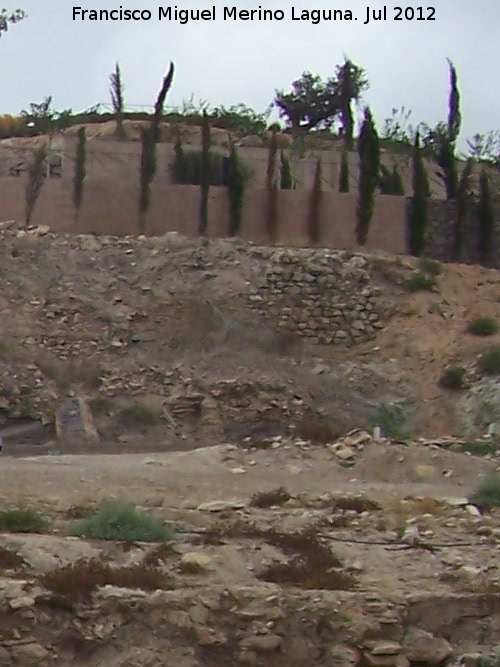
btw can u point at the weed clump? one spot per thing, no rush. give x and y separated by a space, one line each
480 448
392 420
419 282
482 326
453 378
265 499
430 266
489 361
487 495
23 520
312 565
123 522
76 582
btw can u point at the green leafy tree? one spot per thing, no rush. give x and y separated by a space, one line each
286 180
369 165
80 171
463 206
486 219
312 103
313 219
117 99
205 174
418 207
44 118
316 104
271 189
8 18
236 190
485 147
344 172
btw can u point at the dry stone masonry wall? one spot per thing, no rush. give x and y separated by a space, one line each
323 295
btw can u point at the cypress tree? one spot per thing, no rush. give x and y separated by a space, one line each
344 172
80 171
463 201
271 189
419 203
447 142
454 114
179 168
149 138
36 179
147 172
205 174
116 92
486 218
313 220
369 165
236 190
286 181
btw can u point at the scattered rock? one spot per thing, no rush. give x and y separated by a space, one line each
422 647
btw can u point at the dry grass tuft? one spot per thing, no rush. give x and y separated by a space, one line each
312 564
276 497
76 582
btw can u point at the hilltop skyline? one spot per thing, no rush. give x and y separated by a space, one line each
231 62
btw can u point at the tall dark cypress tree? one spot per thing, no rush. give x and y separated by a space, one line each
344 171
286 180
272 190
463 206
446 158
486 220
313 220
117 93
149 138
205 174
80 171
236 190
419 203
369 165
454 114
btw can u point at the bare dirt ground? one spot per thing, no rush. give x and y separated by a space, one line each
203 410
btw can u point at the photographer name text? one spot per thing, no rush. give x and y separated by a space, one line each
314 16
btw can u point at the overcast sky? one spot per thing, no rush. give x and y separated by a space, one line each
227 62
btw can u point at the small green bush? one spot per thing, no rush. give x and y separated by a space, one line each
123 522
482 326
23 520
489 361
392 420
453 378
429 266
486 662
480 448
419 282
487 495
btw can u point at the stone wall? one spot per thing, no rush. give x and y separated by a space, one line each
323 295
441 229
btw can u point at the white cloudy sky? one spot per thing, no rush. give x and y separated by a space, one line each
227 63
